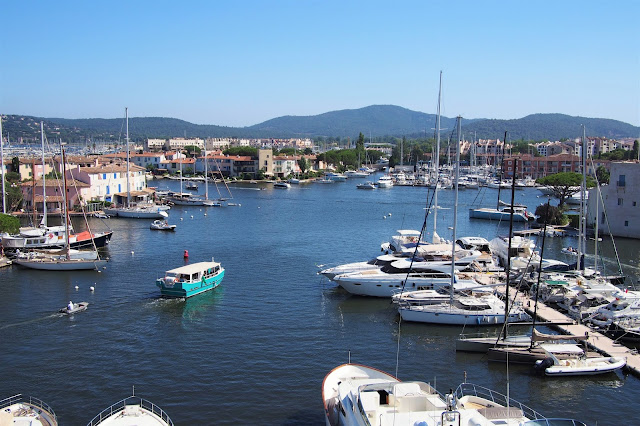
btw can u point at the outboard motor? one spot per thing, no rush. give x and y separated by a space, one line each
542 365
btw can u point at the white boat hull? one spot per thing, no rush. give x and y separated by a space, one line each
454 317
586 367
61 265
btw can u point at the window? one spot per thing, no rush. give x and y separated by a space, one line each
626 223
622 180
620 201
634 204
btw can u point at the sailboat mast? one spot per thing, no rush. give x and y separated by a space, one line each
437 162
64 201
513 196
4 193
44 179
206 177
455 215
504 142
126 114
582 231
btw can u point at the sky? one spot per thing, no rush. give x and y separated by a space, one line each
240 62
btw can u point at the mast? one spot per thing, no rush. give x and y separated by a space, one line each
126 114
4 193
455 216
513 196
437 161
44 180
582 231
64 201
33 191
535 307
501 169
206 177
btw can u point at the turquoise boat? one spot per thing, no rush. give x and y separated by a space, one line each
189 280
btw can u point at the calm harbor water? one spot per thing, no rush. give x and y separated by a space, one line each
256 349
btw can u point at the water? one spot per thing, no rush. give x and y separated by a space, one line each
255 350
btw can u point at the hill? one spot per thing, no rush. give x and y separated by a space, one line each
377 120
552 127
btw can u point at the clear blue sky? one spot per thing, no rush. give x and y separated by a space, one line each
238 63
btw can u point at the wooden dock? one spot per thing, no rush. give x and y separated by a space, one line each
596 341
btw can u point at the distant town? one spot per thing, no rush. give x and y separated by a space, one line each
99 173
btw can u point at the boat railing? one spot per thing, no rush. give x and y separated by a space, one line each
469 389
553 422
131 401
35 402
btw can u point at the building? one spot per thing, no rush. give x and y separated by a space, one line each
265 161
77 192
284 165
618 213
154 144
148 160
108 182
180 143
538 167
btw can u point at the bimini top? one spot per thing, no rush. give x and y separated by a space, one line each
193 268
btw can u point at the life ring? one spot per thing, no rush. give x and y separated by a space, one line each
50 236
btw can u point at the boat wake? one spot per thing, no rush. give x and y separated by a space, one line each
32 321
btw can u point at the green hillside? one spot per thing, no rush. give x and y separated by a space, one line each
375 120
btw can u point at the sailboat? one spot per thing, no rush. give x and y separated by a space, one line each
474 309
138 211
62 261
520 213
45 237
186 198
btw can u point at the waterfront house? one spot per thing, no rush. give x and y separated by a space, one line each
108 182
77 192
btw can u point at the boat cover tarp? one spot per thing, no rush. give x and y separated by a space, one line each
542 337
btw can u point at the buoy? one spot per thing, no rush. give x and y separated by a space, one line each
389 214
181 219
132 252
91 288
205 214
186 253
384 217
191 216
77 287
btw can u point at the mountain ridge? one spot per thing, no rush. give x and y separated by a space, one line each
379 121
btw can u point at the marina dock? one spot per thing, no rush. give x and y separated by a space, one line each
596 341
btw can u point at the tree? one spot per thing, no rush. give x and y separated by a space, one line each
191 149
15 164
242 151
552 215
303 164
602 175
9 224
563 185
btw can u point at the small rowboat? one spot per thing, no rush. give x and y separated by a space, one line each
162 225
77 307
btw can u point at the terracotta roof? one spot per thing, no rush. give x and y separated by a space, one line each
111 168
58 183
